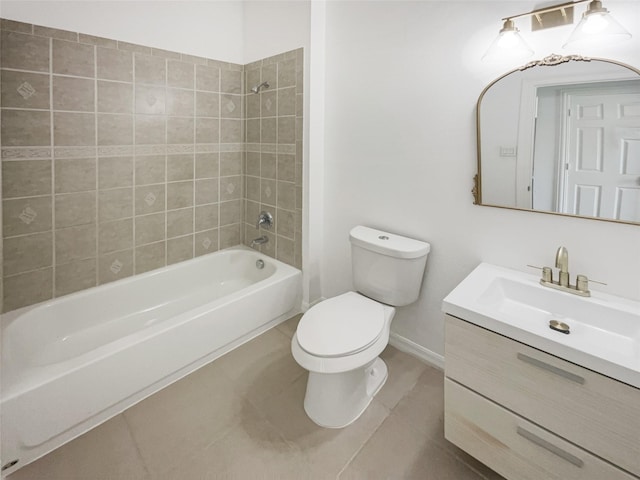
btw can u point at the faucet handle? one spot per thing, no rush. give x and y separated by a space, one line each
547 273
265 219
582 283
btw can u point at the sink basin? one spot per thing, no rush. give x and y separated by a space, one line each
604 330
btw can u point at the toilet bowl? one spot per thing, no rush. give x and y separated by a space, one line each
339 339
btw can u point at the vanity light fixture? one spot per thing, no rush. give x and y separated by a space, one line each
596 24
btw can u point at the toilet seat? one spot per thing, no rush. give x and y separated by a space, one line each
341 326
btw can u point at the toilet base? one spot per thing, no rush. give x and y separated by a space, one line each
335 400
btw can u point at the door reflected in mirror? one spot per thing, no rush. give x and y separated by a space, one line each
562 135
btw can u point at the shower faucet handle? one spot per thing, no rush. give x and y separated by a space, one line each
265 219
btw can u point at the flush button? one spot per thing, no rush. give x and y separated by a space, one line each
383 237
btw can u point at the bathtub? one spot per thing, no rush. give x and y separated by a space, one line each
71 363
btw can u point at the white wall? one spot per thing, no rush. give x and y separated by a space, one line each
209 29
402 80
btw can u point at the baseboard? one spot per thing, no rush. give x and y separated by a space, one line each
405 345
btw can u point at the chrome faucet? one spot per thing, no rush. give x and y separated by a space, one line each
265 219
562 262
259 241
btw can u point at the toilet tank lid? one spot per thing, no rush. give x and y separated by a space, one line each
387 243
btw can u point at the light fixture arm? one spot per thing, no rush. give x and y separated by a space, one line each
553 8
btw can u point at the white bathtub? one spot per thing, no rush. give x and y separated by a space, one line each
71 363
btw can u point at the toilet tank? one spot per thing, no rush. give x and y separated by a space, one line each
387 267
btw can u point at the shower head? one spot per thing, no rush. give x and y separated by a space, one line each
257 88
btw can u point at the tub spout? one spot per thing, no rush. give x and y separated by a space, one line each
259 241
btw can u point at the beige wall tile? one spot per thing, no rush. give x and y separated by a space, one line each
179 249
207 165
157 52
70 93
205 242
114 172
25 178
115 266
150 70
179 195
253 130
150 228
285 250
180 74
55 33
179 102
132 47
230 163
206 191
24 90
251 212
26 215
180 167
25 52
268 165
75 243
150 169
150 129
230 212
268 130
27 252
230 188
231 81
286 195
253 106
207 78
74 129
268 104
268 192
74 209
207 104
180 130
114 236
115 204
149 199
206 217
286 167
27 288
286 130
21 128
230 236
100 41
230 131
75 174
286 223
71 58
115 129
231 106
287 101
14 26
114 64
150 257
286 73
75 276
252 164
179 222
270 74
150 100
252 189
207 130
115 97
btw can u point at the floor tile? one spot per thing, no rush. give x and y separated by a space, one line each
262 367
252 449
404 371
106 452
289 327
326 450
185 417
396 452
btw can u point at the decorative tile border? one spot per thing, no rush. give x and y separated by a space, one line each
26 153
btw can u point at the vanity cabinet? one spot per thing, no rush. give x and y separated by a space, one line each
531 415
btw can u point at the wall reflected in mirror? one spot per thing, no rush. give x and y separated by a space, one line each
562 136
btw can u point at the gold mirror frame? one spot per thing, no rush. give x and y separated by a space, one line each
548 61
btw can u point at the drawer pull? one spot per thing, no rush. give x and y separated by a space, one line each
541 442
550 368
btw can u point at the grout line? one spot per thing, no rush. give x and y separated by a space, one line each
97 162
53 174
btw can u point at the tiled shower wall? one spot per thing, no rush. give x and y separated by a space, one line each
273 169
116 159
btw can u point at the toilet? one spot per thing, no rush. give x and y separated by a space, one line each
338 340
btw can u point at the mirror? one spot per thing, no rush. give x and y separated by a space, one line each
562 135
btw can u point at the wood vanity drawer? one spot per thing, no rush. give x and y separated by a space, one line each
512 446
591 410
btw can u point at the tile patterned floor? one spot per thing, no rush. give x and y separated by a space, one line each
241 417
